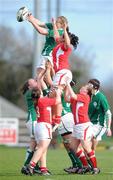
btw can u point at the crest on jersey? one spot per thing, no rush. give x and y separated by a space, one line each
95 104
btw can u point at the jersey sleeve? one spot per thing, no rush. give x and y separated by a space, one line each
104 104
82 98
49 26
44 102
28 94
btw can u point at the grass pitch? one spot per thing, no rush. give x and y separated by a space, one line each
11 161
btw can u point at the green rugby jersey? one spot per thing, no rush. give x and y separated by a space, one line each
97 109
30 106
66 106
50 41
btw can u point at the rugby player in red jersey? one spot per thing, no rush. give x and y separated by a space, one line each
61 53
43 130
82 132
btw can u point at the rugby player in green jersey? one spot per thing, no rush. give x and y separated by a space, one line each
47 30
99 113
27 90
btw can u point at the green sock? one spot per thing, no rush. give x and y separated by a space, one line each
74 159
89 163
29 155
37 167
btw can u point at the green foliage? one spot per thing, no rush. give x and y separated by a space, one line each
11 79
15 63
11 161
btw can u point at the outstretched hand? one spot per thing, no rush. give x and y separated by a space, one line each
53 21
30 17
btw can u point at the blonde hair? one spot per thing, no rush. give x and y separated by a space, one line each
63 19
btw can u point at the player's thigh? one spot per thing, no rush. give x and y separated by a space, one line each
43 131
86 144
31 126
74 143
83 131
67 123
44 143
62 77
98 132
43 60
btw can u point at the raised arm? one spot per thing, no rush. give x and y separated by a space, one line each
43 84
56 33
49 73
58 96
69 93
38 25
67 42
109 119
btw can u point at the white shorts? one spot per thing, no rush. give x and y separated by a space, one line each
63 76
67 123
83 131
98 131
43 131
43 60
31 126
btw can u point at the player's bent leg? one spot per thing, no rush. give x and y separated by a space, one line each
91 155
94 144
43 165
75 160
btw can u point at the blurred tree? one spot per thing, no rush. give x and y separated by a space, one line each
11 81
16 47
108 89
15 63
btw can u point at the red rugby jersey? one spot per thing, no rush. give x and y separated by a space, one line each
44 109
80 108
60 57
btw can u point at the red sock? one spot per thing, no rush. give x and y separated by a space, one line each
82 157
92 158
32 164
43 169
